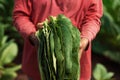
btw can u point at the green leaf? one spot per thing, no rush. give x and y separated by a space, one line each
8 53
99 72
108 76
115 4
3 47
8 76
11 72
1 33
2 7
12 69
4 39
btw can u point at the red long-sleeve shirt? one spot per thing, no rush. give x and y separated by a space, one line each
85 14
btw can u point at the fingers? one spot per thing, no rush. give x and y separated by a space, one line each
40 25
33 39
83 44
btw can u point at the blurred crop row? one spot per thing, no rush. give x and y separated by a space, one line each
107 42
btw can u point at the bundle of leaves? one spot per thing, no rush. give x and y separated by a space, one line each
58 49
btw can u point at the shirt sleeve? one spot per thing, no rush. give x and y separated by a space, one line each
21 17
91 22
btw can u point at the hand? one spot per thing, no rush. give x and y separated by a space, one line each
33 39
40 25
83 45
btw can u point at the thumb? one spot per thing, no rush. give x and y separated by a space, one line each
80 45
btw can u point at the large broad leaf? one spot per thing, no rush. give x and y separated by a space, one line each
3 47
99 72
9 53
